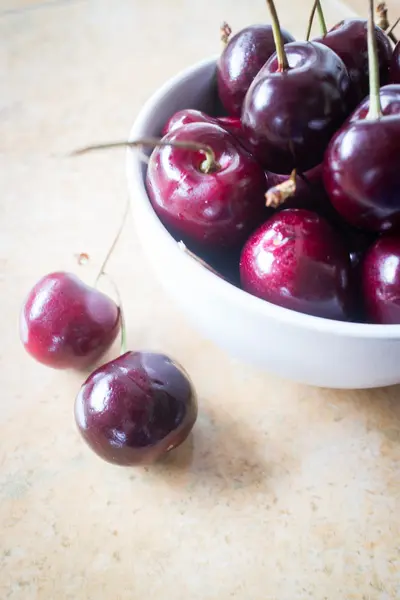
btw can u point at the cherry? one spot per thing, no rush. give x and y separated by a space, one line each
381 281
297 261
389 96
136 408
309 192
361 171
210 204
297 101
65 323
242 58
395 65
349 40
186 116
189 115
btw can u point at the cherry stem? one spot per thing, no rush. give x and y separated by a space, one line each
375 108
209 165
225 31
321 18
391 29
316 7
102 273
121 311
283 64
311 20
278 194
382 18
383 22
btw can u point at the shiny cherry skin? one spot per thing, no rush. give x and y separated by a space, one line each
242 58
361 171
65 323
381 281
297 261
390 103
290 116
134 409
189 115
185 117
207 211
349 40
395 65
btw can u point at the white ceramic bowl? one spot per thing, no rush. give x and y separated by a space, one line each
296 346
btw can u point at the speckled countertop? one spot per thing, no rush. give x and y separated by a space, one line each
283 492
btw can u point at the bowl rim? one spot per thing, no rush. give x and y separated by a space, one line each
241 299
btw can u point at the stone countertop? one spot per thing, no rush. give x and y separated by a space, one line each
283 491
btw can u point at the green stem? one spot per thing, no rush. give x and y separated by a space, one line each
279 45
102 273
316 7
121 311
389 32
375 108
321 18
311 20
209 165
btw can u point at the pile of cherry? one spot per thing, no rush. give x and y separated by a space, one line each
293 194
296 196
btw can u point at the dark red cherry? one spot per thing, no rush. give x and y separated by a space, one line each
309 192
65 323
297 261
381 281
289 116
395 65
134 409
390 103
349 40
189 115
361 172
208 209
246 52
185 117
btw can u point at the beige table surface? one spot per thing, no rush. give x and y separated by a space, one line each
283 491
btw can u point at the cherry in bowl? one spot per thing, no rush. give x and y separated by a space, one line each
297 261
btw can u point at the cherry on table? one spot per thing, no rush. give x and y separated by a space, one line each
242 58
65 323
210 203
134 409
297 261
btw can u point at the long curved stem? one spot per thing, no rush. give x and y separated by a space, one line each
121 311
208 166
102 273
279 45
375 108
